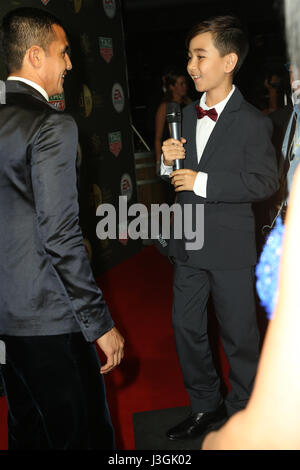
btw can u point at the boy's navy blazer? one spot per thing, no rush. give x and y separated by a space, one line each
46 282
240 161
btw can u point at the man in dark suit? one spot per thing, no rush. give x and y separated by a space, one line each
229 163
51 310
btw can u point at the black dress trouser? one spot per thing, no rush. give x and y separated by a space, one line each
56 394
234 303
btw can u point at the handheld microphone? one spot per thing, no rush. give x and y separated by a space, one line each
173 116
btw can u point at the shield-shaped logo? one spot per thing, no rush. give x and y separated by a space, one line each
115 142
45 2
106 48
58 101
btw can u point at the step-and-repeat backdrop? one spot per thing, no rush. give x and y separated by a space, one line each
96 95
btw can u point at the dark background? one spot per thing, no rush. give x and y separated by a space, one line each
155 32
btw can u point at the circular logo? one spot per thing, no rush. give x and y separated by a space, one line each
77 5
118 97
126 186
109 8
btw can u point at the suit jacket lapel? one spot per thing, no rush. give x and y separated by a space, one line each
15 86
221 128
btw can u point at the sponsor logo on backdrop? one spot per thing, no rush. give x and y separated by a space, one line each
115 142
77 5
58 101
45 2
106 48
86 100
109 8
118 98
126 186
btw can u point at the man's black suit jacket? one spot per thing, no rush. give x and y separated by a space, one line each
240 161
46 283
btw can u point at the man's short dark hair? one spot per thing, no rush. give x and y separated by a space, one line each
228 36
23 28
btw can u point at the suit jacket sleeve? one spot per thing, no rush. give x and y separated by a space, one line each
259 179
53 173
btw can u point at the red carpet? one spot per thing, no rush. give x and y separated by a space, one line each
139 295
3 425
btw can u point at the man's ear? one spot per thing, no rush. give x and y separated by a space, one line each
35 56
230 62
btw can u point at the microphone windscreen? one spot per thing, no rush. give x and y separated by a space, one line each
173 112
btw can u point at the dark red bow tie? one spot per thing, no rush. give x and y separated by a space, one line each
212 113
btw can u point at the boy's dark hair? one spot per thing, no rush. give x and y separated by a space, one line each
228 36
23 28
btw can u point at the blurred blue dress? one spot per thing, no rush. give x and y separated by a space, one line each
267 269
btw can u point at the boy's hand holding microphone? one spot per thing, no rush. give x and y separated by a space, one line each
184 179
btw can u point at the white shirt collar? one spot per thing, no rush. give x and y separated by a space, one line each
219 106
32 84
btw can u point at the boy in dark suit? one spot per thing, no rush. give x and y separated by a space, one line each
229 163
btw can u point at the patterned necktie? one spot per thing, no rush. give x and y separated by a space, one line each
212 113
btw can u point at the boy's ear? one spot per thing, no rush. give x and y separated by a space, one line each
230 62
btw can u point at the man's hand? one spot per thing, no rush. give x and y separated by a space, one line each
112 344
183 180
172 150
